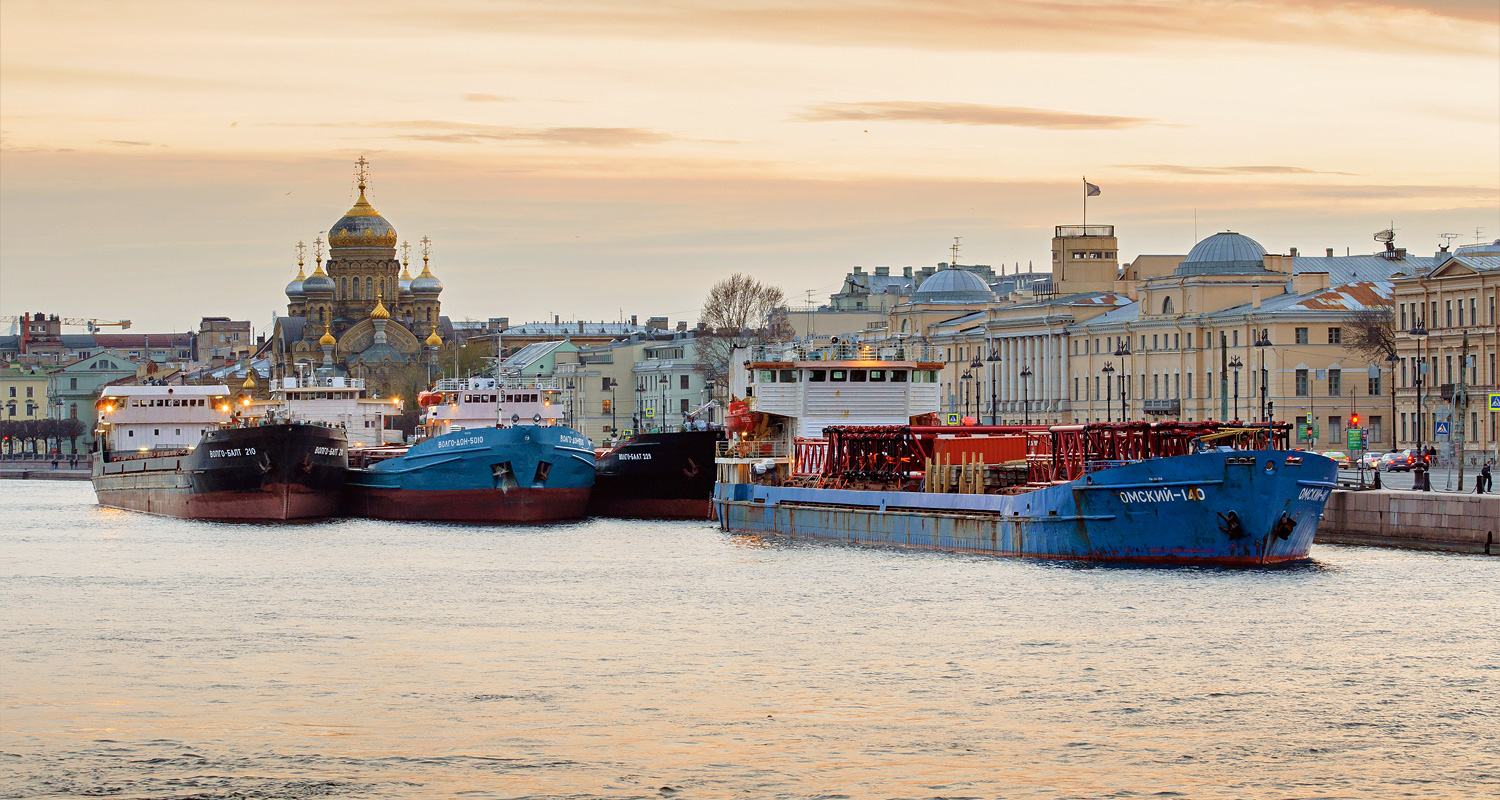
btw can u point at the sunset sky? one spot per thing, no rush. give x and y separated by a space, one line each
161 159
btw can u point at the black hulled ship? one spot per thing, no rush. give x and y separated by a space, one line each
658 476
178 451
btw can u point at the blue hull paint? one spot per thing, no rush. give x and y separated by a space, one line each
1165 510
525 473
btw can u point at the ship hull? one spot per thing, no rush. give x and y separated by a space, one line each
658 476
1218 508
519 475
268 473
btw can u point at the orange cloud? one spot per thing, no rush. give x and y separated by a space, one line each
968 114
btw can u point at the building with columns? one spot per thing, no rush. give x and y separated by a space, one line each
362 313
1440 313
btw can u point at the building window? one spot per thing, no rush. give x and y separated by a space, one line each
1190 386
1302 385
1236 337
1433 315
1302 337
1473 311
1375 427
1403 316
685 408
1190 340
1374 386
1153 341
1335 383
1448 312
1174 341
1155 386
1096 387
1335 335
72 384
1448 368
1166 306
684 382
1335 429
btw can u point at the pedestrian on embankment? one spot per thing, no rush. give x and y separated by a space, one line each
1487 477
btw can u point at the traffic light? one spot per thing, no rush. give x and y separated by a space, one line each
1354 420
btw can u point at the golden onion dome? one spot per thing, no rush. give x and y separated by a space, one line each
249 380
362 226
433 339
327 339
379 312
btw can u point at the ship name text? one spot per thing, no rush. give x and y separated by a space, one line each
1164 495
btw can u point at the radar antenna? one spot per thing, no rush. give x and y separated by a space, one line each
954 262
1386 236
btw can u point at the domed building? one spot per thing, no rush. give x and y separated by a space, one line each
1226 253
953 285
366 301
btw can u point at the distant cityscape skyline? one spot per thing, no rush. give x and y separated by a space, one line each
162 160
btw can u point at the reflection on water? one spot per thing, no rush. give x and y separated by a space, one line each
146 657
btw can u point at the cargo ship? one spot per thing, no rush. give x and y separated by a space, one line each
183 451
666 475
489 451
1161 493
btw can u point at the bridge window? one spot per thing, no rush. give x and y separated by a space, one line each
768 376
898 376
856 376
817 375
787 376
838 375
877 375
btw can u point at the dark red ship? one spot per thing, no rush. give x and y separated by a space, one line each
658 476
178 451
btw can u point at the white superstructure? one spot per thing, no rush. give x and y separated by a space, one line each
464 403
147 418
334 401
835 385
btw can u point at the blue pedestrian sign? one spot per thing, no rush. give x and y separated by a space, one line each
952 419
1495 401
1442 427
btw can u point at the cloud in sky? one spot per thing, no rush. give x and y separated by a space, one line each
474 97
968 114
451 132
1266 169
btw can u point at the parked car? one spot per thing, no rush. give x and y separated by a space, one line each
1338 458
1370 460
1399 461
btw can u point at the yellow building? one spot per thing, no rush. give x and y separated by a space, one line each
23 392
1437 312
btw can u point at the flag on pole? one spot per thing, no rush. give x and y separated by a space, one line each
1091 189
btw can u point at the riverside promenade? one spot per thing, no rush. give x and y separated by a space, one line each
40 469
1452 521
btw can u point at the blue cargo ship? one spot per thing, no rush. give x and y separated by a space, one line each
484 462
1166 492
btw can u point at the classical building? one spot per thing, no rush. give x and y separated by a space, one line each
23 392
363 315
1443 314
221 341
73 388
1236 332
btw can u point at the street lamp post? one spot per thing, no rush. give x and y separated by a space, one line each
968 379
1109 390
1419 331
1025 398
640 400
994 359
976 365
612 384
1261 343
1234 364
1122 351
1393 359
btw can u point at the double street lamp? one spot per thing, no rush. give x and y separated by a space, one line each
994 359
1263 341
1234 364
976 365
967 379
1109 390
1025 399
1122 351
1419 331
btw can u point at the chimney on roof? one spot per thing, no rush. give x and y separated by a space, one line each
681 326
632 319
883 271
1329 253
906 272
556 319
859 270
1294 252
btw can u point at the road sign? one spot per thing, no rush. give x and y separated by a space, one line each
1356 438
626 433
1307 431
1495 401
952 419
1442 412
1442 428
650 412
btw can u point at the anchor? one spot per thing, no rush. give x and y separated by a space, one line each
1231 526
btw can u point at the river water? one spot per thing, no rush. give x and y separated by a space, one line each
157 658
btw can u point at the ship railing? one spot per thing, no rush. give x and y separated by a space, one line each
882 350
811 457
322 382
749 448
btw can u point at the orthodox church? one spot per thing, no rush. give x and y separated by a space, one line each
361 313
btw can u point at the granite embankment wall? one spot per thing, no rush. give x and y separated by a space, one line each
40 472
1466 523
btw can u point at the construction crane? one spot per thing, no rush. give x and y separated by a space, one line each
92 324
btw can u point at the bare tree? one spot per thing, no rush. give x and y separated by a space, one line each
1372 333
738 311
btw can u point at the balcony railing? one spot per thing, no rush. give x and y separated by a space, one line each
847 351
1074 231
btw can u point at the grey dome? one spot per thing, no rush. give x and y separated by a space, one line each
1224 253
953 286
426 283
294 289
404 286
317 284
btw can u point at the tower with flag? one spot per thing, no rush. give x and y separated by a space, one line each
1089 190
